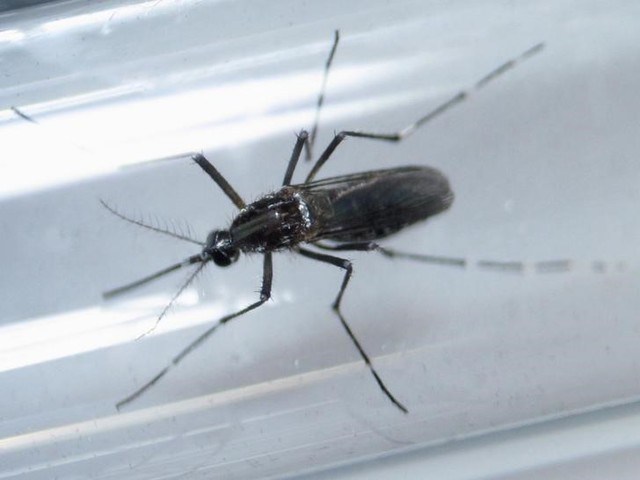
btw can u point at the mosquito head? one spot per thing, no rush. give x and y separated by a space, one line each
220 248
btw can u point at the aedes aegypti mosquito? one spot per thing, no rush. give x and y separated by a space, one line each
345 213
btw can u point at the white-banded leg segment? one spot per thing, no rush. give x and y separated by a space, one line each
436 112
507 266
320 102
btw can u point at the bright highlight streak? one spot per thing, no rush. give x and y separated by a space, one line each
76 144
12 35
59 336
102 17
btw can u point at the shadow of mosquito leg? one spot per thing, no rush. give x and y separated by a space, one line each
265 294
346 265
320 102
23 115
436 112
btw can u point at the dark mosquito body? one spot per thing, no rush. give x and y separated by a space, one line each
352 208
345 213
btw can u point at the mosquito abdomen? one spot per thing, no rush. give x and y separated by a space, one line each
378 203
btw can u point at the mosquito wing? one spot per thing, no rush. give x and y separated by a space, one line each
372 205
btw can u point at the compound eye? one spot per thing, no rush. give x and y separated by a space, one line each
221 259
224 258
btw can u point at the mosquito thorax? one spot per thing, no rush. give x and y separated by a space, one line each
220 248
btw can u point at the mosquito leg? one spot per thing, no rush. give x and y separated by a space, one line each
265 294
346 265
303 139
337 140
323 88
515 266
371 246
149 278
436 112
184 286
217 177
507 266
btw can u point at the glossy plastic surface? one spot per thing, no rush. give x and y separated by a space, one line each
544 164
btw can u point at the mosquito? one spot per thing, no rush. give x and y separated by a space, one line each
339 214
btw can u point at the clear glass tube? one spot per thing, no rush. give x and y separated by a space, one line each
543 163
